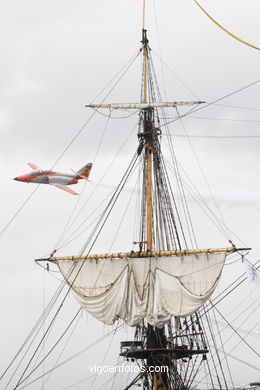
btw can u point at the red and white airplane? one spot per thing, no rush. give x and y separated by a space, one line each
57 179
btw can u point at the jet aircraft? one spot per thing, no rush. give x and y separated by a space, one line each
57 179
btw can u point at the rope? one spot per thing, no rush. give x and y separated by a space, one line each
18 211
35 331
74 356
239 107
224 29
211 103
21 380
124 70
214 136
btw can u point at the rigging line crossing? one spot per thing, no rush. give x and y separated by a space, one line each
215 347
224 29
194 192
182 195
73 139
62 351
240 360
154 86
74 356
78 200
231 290
37 325
202 204
70 238
205 179
243 312
176 76
228 290
117 193
47 330
102 101
241 330
58 159
127 66
110 205
213 102
78 382
248 333
124 214
106 353
223 351
241 337
53 347
129 63
179 182
220 296
211 354
18 211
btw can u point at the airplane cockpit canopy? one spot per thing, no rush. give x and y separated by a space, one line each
33 173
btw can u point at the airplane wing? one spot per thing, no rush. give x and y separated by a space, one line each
66 189
33 166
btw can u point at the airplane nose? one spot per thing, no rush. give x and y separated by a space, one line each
16 178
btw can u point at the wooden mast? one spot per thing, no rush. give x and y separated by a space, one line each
148 148
153 336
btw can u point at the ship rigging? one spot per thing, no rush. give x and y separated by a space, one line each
161 285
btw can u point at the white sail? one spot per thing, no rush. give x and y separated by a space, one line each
135 288
141 106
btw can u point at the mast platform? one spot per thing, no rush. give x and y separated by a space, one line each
180 352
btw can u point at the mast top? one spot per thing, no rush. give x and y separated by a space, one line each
144 12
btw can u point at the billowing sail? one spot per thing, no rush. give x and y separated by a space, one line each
148 287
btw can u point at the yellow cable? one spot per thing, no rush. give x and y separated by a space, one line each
222 28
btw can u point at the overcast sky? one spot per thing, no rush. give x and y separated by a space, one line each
56 56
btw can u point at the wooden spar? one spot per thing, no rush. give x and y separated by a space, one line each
148 152
142 105
132 254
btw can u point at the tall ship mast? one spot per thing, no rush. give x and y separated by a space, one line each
160 288
163 288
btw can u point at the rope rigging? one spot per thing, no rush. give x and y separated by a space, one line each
213 102
224 29
65 240
121 74
168 232
74 356
94 235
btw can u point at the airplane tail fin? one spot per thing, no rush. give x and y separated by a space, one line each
84 172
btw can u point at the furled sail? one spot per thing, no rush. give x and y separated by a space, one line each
141 105
154 288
